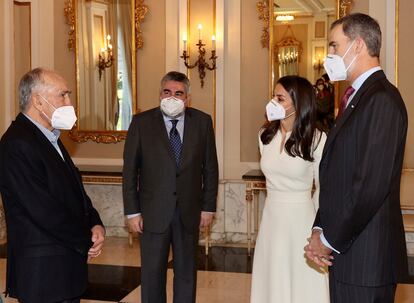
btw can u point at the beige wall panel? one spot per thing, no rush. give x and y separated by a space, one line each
406 71
361 6
151 58
22 44
201 12
254 82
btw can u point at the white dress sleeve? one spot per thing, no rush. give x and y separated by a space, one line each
317 155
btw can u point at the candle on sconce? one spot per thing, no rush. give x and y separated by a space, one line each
200 27
213 42
185 43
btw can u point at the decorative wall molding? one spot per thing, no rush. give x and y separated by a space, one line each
141 10
344 7
264 14
70 20
97 136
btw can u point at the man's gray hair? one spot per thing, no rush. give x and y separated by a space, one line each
178 77
30 82
363 26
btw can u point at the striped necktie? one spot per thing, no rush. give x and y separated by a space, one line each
344 101
175 141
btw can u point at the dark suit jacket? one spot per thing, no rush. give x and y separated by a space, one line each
153 186
360 170
48 215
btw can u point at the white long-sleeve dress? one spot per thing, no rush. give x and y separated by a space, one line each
281 272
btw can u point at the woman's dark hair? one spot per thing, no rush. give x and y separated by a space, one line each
301 141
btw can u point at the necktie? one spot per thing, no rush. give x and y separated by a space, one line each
344 101
175 141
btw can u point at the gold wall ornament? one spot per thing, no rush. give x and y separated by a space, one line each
97 136
344 7
201 62
70 20
264 14
141 10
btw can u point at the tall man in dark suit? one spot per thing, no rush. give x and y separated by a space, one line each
359 217
52 227
170 188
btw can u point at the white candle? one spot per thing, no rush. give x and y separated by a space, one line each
185 44
213 42
200 27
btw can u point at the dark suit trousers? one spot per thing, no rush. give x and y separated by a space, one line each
70 301
77 300
154 260
347 293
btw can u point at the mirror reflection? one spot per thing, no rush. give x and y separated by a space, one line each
105 64
299 44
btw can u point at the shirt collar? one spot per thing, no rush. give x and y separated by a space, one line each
167 118
361 79
52 136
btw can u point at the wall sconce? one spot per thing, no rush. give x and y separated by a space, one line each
106 58
318 64
288 57
201 61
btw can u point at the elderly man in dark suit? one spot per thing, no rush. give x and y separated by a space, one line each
359 216
170 187
52 227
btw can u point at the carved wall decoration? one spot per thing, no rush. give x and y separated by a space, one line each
140 11
70 20
344 7
264 15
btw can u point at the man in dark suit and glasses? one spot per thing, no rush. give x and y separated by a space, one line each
170 187
359 217
52 227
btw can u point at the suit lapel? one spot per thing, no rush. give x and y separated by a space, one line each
50 151
350 109
71 168
45 143
190 127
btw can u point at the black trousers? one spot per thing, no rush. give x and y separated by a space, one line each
347 293
75 300
70 301
155 248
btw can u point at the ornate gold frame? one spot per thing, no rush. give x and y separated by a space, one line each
140 10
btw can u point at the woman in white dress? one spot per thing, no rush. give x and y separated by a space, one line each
291 148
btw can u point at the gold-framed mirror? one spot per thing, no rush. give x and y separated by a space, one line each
296 34
104 34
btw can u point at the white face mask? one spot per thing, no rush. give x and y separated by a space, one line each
335 66
275 111
63 117
172 107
